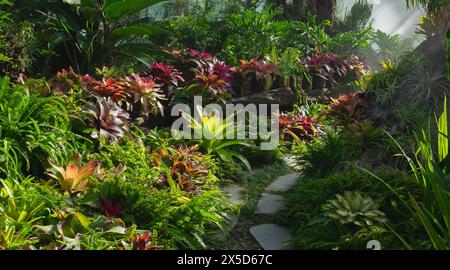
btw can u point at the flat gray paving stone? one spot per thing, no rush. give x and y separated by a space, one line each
235 193
283 183
271 236
269 204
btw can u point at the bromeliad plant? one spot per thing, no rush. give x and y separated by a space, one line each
348 109
143 241
74 178
353 208
299 127
331 68
145 92
213 78
108 119
166 76
66 80
211 129
188 60
256 76
108 87
74 230
184 167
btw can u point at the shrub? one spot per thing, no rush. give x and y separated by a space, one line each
179 219
33 128
321 157
18 42
95 33
429 169
316 231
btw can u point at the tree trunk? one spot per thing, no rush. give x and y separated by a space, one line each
435 46
325 10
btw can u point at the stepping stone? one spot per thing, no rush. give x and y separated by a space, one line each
271 236
235 193
283 183
269 204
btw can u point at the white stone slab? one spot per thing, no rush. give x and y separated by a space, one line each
272 236
235 193
269 204
283 183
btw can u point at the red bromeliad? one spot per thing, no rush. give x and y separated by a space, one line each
143 241
201 55
108 88
214 77
260 68
145 91
185 165
331 66
349 108
298 126
65 80
109 209
164 74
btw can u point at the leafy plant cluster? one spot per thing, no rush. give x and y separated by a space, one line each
17 41
113 187
249 34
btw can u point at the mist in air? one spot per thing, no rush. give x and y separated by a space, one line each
389 16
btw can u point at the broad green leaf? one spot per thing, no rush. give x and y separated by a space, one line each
72 2
4 58
443 134
141 52
243 159
142 30
56 39
233 142
117 9
117 230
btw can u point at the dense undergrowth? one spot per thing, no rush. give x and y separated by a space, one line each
88 161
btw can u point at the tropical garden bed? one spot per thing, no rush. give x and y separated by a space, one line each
88 158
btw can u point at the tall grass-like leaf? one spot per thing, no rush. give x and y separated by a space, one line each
443 134
32 128
434 212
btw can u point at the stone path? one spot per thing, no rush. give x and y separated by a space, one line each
268 236
269 204
273 236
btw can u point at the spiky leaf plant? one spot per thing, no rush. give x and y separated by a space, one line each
73 178
145 92
110 121
353 208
